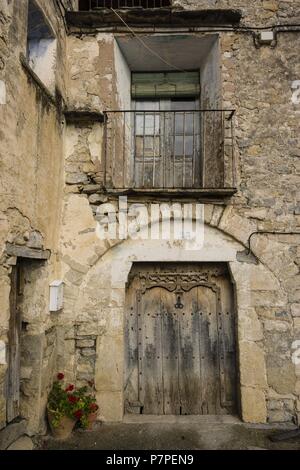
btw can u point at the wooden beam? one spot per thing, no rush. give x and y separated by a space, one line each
25 252
83 116
156 16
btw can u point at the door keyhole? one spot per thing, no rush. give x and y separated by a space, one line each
179 304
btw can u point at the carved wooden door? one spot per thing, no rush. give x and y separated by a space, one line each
180 341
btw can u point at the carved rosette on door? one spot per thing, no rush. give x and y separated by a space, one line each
180 341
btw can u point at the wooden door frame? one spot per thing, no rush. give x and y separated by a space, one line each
14 340
179 285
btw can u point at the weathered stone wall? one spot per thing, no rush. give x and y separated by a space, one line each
258 82
47 205
255 13
31 134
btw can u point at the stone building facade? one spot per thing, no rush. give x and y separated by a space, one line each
57 138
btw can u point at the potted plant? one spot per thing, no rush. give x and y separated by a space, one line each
68 406
89 409
60 409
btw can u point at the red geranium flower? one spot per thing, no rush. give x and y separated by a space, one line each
78 414
70 388
94 407
72 399
60 376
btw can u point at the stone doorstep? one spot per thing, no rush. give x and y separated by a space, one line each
23 443
12 433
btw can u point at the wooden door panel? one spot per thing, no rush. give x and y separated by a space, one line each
131 389
170 335
189 365
227 345
208 349
150 353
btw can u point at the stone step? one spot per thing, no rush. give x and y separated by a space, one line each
23 443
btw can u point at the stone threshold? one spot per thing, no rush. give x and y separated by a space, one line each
12 432
182 419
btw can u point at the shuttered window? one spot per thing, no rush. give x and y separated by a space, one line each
165 85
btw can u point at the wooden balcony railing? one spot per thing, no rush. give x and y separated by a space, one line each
169 150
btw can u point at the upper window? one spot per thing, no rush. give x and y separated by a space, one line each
86 5
41 46
166 129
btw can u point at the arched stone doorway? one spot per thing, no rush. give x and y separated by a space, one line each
103 290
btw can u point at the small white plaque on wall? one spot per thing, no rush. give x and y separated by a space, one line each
56 296
2 353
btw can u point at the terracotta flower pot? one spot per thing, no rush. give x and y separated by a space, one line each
92 418
65 427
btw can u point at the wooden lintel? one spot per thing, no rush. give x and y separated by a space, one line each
83 116
156 16
25 252
205 194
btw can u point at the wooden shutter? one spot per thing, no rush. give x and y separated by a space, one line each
165 84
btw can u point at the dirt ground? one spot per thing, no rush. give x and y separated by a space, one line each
177 433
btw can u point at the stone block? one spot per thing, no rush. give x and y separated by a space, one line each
275 405
216 215
295 310
271 325
277 416
117 298
91 188
23 443
11 433
95 198
87 329
249 326
236 225
25 372
76 178
88 352
208 212
115 321
281 376
35 240
109 364
262 280
253 404
252 365
110 406
85 343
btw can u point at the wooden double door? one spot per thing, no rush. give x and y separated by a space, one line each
180 340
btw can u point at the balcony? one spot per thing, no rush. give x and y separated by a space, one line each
89 5
182 152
